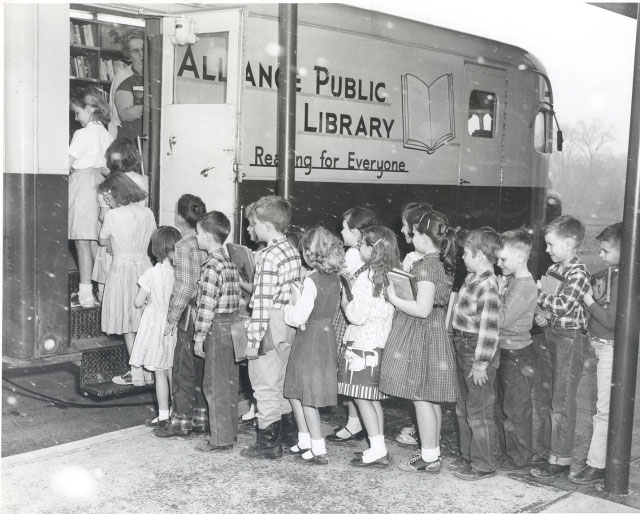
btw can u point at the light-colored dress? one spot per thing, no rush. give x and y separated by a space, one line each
87 147
102 261
129 228
151 348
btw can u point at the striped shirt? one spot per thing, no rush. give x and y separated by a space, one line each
277 266
566 307
188 259
218 292
478 311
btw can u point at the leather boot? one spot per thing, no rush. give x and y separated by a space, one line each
267 445
289 430
272 445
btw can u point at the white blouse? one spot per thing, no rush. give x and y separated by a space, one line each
369 317
298 314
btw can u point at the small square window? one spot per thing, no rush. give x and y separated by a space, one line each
482 114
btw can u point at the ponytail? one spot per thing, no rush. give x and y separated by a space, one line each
449 249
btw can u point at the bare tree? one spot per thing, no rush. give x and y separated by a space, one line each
592 137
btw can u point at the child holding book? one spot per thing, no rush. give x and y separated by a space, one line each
519 295
562 357
370 317
475 322
311 378
601 301
419 362
354 221
277 268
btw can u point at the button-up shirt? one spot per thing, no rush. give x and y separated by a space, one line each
566 307
188 260
218 292
478 310
277 267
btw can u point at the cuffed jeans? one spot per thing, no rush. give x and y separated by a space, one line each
561 365
220 382
515 404
475 407
189 405
267 379
597 456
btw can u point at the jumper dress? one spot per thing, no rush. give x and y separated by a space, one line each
419 359
311 371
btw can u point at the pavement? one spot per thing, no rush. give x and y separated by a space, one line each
128 471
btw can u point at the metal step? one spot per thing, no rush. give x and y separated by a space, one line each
100 365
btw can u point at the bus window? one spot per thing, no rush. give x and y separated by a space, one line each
482 113
201 70
542 132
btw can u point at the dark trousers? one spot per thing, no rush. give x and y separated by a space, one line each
561 363
475 407
189 404
220 382
514 407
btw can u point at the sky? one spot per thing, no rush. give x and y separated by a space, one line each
588 52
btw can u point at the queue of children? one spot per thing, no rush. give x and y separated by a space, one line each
307 341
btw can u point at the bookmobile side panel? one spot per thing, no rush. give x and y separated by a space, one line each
355 120
364 139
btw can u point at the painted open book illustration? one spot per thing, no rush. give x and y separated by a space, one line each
427 112
242 257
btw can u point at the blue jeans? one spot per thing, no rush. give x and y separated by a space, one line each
475 407
188 404
515 404
220 382
561 364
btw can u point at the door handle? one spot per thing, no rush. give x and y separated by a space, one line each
205 172
172 142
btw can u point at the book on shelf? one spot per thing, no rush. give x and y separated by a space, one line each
427 112
88 35
551 283
345 282
404 284
242 257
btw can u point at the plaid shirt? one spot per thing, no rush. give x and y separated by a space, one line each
278 265
478 310
218 292
188 260
566 307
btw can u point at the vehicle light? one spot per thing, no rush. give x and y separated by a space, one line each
49 344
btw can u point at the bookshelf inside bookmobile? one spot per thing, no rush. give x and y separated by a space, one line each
95 55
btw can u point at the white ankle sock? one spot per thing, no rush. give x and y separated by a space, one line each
318 447
353 426
430 454
378 449
163 414
85 293
304 441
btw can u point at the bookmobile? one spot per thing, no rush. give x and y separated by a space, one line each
388 111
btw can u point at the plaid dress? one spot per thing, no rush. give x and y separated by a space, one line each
419 360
